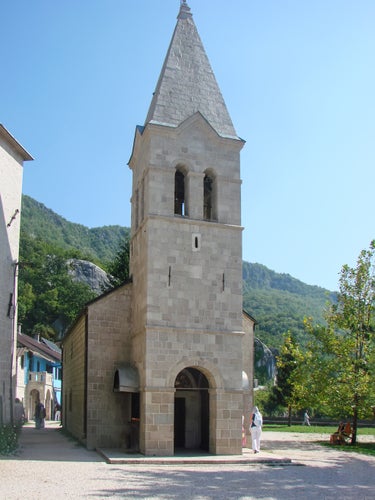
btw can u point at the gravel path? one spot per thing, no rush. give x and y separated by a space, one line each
51 466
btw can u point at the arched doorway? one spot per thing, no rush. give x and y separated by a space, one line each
34 398
191 410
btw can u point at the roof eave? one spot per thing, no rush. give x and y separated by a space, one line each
7 136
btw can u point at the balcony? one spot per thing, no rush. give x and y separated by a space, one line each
41 377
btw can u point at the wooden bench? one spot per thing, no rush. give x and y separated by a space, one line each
343 435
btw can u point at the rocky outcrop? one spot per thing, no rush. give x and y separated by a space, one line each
86 272
264 362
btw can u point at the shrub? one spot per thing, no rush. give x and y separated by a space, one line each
8 439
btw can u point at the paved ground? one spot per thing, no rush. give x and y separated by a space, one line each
51 466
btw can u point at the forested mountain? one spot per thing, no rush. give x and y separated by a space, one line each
98 244
278 302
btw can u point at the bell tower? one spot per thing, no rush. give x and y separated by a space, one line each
186 258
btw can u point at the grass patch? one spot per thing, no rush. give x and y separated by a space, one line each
363 448
314 429
8 439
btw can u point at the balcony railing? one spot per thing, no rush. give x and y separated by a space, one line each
41 377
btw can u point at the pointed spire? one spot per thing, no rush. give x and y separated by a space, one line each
187 84
184 10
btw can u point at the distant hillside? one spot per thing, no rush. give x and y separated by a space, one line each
278 302
98 244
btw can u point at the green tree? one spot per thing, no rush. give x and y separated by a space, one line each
47 293
45 331
286 392
341 354
119 267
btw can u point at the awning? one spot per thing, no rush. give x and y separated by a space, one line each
126 379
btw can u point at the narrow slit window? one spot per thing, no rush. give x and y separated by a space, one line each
196 242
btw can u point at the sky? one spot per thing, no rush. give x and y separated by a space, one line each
298 79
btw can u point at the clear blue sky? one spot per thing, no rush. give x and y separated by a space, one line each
298 78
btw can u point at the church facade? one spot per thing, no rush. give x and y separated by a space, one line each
166 360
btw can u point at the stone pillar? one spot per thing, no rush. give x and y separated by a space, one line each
195 194
157 422
226 422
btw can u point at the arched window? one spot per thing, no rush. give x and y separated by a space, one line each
179 193
209 196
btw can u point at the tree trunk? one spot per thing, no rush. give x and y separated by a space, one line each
289 415
355 422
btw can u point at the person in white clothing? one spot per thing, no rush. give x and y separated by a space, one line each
256 429
306 418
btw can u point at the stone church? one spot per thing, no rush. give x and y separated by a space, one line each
165 361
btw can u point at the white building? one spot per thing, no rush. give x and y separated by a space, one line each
12 156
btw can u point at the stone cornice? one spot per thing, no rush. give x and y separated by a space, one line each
191 331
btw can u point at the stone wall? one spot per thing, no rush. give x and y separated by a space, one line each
74 384
109 347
